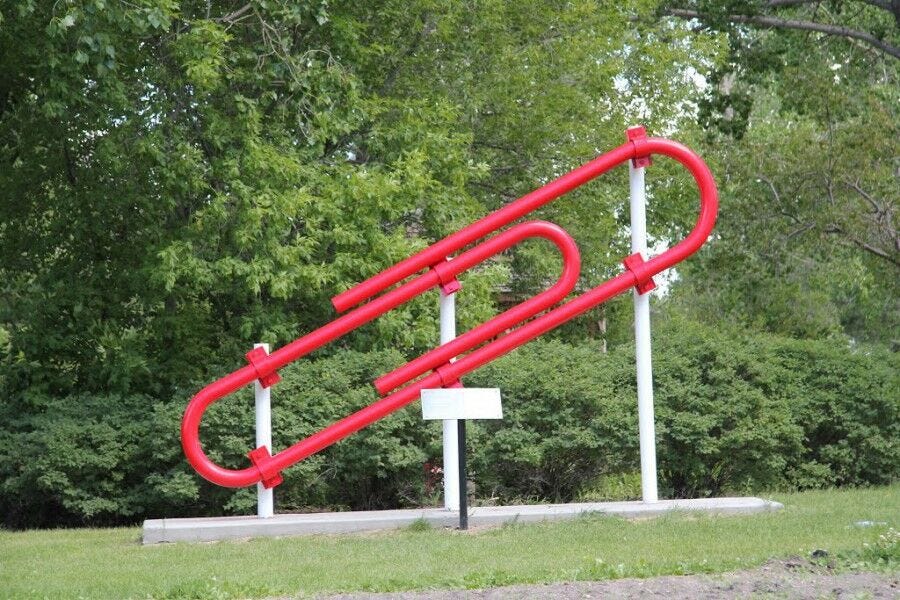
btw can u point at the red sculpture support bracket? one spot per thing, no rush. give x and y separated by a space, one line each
440 272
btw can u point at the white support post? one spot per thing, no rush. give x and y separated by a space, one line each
450 438
265 498
642 340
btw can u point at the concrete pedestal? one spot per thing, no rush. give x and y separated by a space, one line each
224 528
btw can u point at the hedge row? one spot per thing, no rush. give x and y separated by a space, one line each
734 412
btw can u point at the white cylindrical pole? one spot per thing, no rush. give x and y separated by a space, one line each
265 498
451 438
646 426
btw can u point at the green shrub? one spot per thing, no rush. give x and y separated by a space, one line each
848 404
739 412
724 417
89 459
565 421
734 412
380 466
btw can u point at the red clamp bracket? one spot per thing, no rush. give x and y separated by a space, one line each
643 281
638 137
449 283
262 460
447 381
254 357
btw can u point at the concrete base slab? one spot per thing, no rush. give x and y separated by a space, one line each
223 528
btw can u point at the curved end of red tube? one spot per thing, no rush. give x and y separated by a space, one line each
190 442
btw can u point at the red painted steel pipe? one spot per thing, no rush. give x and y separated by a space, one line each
488 329
442 272
266 468
486 225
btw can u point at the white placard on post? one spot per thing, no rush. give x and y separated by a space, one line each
461 403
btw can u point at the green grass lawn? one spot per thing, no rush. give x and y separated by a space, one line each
111 563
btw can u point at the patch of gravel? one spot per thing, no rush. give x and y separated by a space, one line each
791 578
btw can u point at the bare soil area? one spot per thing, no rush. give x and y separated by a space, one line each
791 578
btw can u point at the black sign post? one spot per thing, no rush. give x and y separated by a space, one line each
463 491
459 404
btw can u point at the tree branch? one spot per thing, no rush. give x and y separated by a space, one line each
771 187
781 3
837 229
876 209
779 23
427 29
231 17
801 230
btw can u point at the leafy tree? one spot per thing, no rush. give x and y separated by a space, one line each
736 412
194 176
866 23
805 131
178 171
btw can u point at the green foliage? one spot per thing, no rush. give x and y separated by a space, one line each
566 420
803 249
194 177
192 182
880 555
767 48
740 412
89 459
187 178
381 466
734 414
803 130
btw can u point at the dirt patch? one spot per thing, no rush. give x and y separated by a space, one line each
791 578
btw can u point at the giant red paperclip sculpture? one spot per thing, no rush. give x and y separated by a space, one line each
438 271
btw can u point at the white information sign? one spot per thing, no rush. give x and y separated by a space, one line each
461 403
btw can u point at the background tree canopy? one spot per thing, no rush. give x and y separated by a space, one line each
182 179
804 118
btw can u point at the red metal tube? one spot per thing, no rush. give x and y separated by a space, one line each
709 205
483 227
266 468
499 324
440 273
